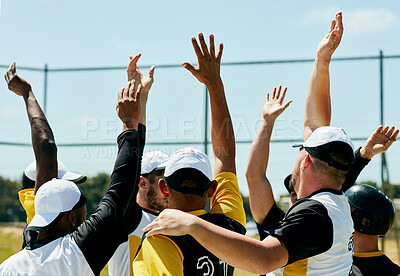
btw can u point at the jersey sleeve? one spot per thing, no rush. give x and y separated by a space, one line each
306 230
159 255
227 199
116 216
354 171
272 219
27 200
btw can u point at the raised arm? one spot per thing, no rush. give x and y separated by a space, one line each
100 235
260 192
318 101
43 142
379 142
146 82
208 72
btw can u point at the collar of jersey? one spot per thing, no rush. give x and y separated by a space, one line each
197 212
368 254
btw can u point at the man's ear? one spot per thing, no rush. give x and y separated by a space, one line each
162 185
72 219
212 189
142 183
306 161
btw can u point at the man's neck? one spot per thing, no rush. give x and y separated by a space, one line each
365 243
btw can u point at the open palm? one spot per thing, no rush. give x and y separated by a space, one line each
274 107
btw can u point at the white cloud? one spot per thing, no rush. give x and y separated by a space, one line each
324 15
363 21
12 112
369 21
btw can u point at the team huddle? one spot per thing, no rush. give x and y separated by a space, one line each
152 219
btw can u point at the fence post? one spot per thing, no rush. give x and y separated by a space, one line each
206 121
45 89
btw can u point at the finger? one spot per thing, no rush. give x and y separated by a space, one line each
125 94
286 105
390 132
151 72
203 45
212 47
385 130
283 94
273 93
196 48
219 55
132 93
339 21
333 23
379 129
279 92
153 232
150 226
138 92
130 57
267 97
189 67
394 137
120 93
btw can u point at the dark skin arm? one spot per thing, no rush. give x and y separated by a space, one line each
43 142
208 72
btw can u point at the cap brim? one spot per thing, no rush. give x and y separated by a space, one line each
40 221
287 182
74 177
297 145
161 166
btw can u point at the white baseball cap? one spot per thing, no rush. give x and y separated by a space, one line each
188 164
54 197
189 158
29 175
155 160
332 145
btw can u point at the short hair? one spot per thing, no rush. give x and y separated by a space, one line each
330 175
151 176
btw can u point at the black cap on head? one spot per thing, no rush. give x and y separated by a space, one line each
371 204
188 181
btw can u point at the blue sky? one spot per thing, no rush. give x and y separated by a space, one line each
81 105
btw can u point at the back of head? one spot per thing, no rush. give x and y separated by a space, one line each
374 212
188 172
332 152
51 201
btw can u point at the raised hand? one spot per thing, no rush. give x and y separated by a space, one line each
129 105
331 41
208 68
274 107
379 141
15 83
135 74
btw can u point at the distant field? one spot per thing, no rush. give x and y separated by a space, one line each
11 242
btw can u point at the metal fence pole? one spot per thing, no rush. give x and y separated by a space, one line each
383 157
206 121
46 70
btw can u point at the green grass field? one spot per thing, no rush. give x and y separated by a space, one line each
11 242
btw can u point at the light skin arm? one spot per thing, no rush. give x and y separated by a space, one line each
43 142
379 141
208 72
318 101
260 192
146 83
235 249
